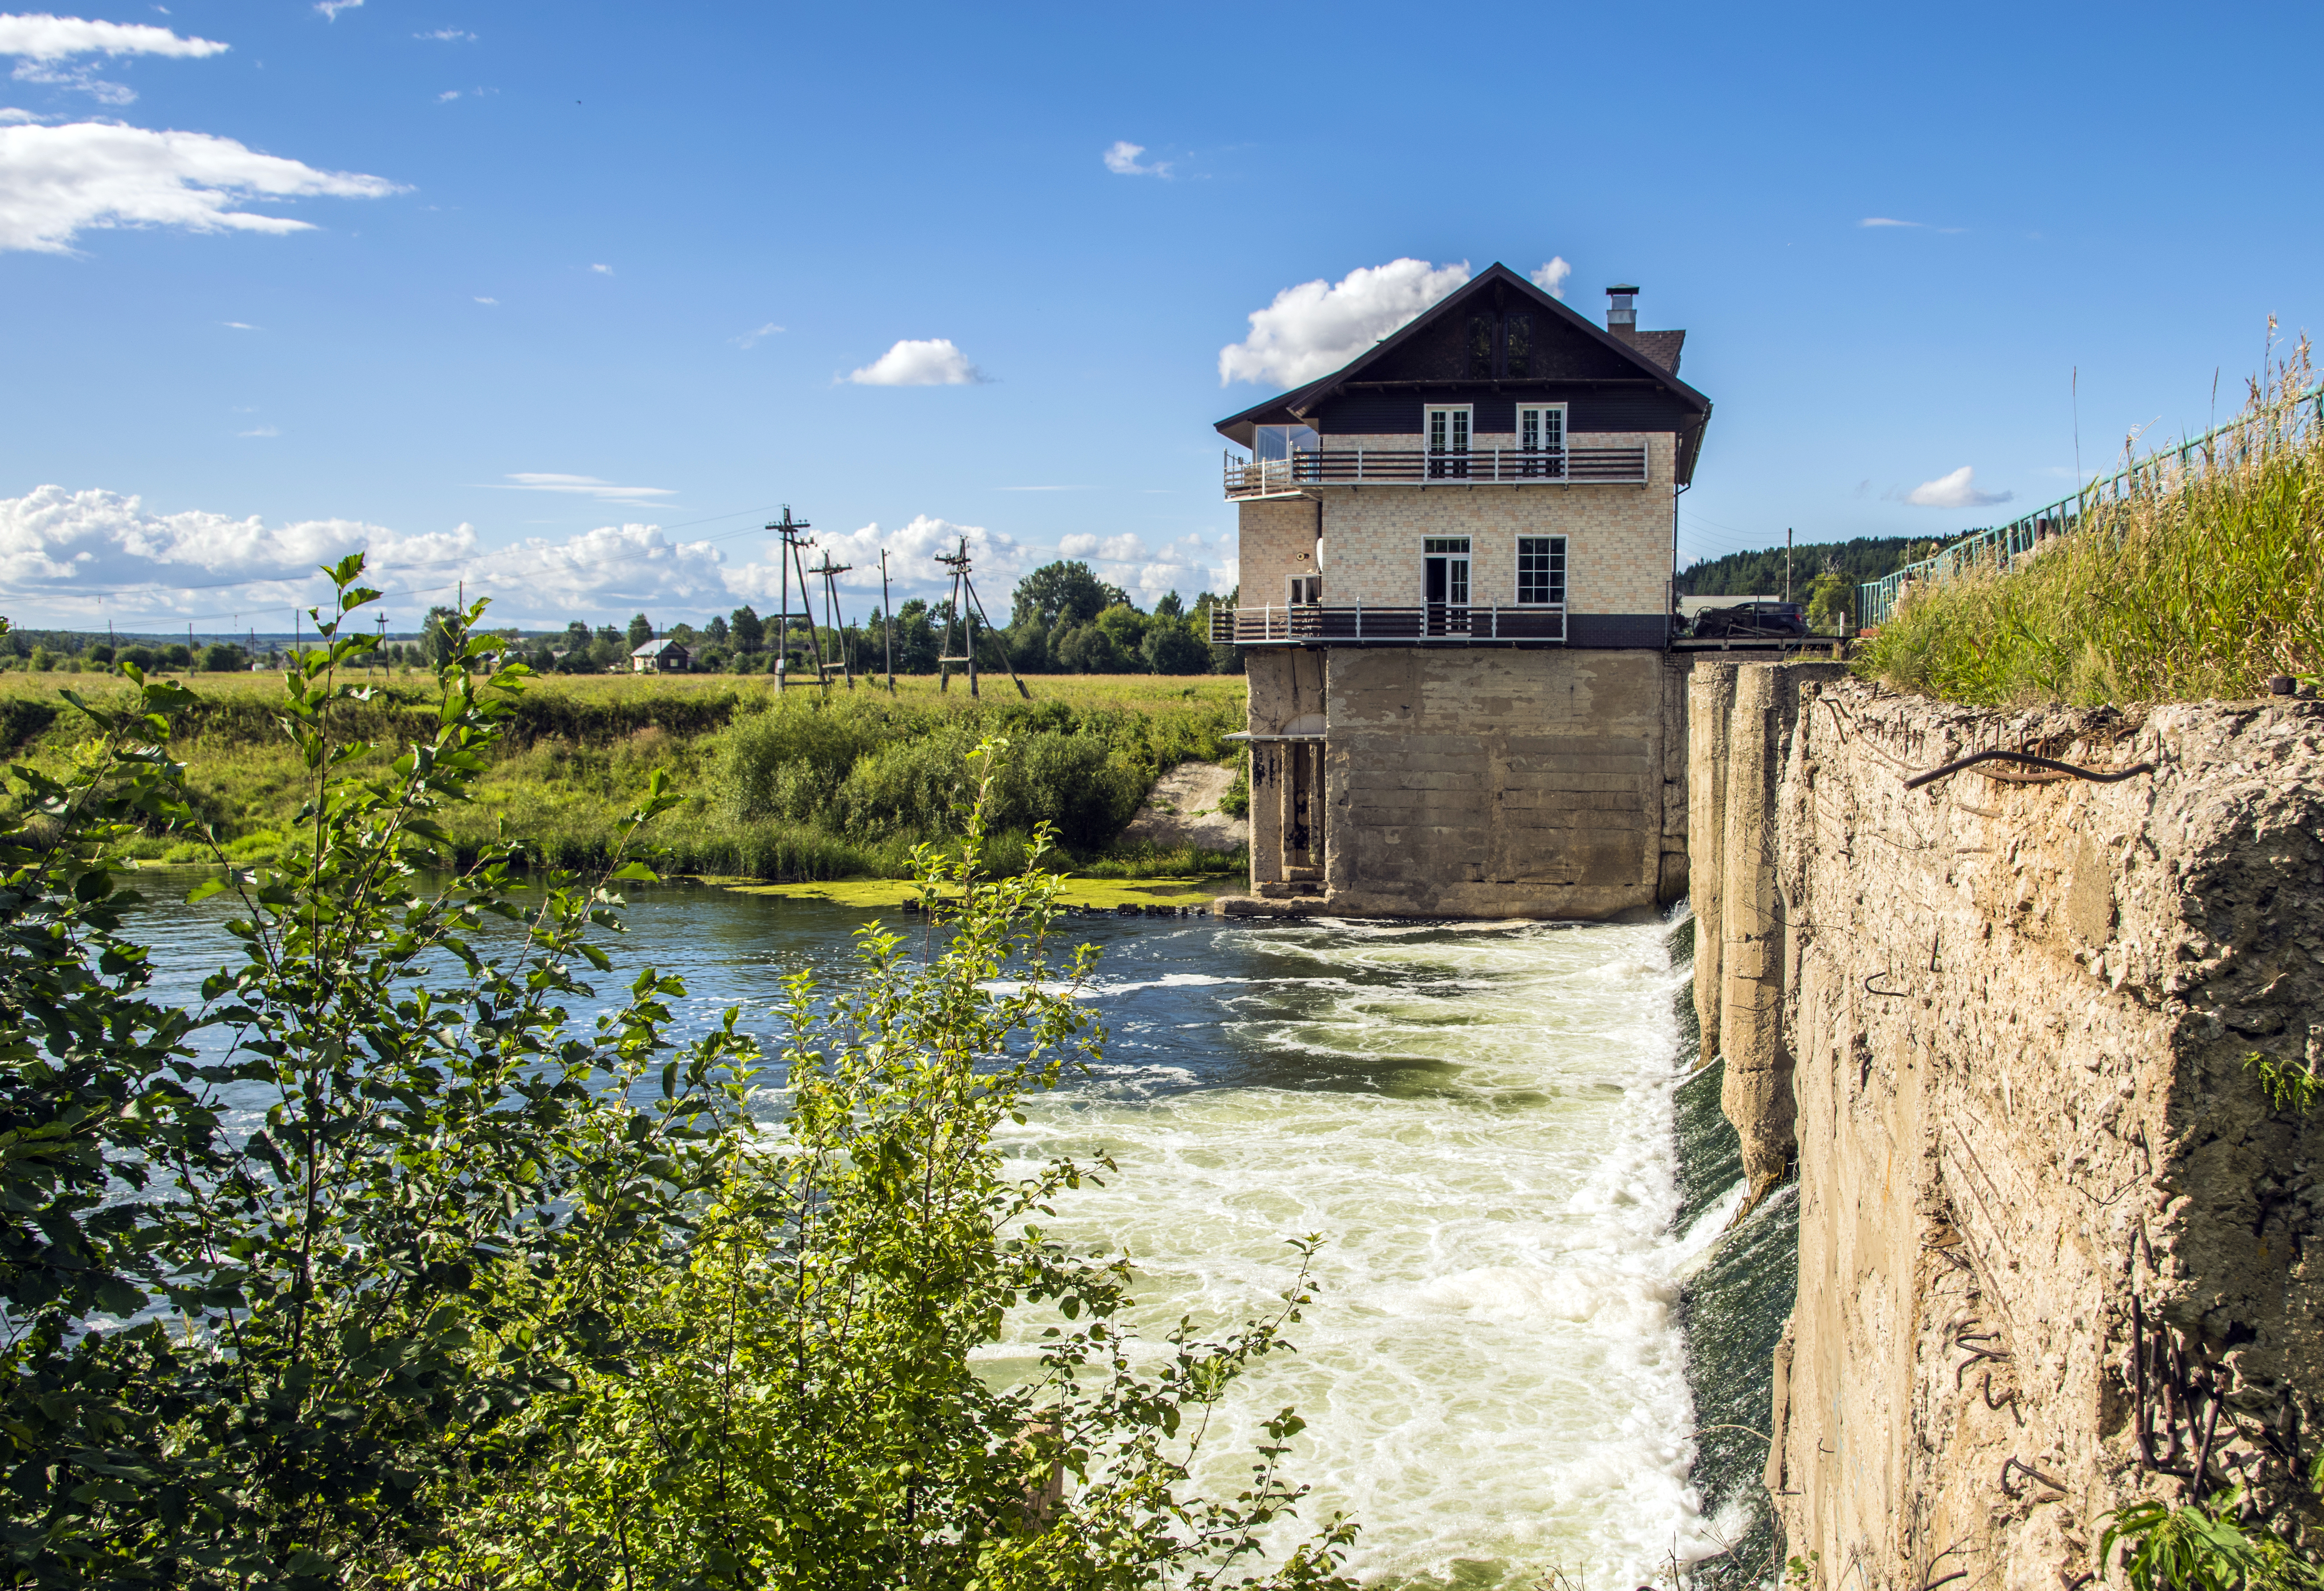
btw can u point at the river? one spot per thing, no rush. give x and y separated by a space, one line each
1526 1311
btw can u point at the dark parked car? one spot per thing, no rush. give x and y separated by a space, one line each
1766 620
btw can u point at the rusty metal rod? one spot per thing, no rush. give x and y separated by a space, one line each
2030 760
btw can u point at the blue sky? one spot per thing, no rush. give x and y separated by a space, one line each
575 292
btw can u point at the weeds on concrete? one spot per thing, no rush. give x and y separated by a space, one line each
2199 583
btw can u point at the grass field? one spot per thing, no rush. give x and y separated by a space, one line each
802 787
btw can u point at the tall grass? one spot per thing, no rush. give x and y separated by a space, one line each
789 788
2199 583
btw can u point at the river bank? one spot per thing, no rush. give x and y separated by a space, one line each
777 788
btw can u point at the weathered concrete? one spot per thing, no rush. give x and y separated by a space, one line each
2046 1209
1483 782
1710 701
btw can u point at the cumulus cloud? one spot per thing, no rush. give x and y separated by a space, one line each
581 486
1551 278
58 181
1957 490
749 338
331 8
1188 565
57 38
932 363
1313 329
1121 160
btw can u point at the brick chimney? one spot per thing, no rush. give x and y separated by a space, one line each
1622 312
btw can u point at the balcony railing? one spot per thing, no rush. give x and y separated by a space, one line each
1433 623
1416 466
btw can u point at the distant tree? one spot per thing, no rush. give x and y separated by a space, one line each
439 635
1126 628
715 631
917 638
1088 649
1071 592
44 659
1831 603
1170 607
750 630
99 654
220 659
686 636
1172 649
578 636
178 655
639 632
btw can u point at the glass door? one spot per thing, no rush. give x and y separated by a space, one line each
1541 440
1448 443
1444 585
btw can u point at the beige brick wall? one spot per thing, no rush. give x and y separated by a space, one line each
1279 541
1618 537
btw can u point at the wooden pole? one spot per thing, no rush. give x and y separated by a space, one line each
887 624
977 603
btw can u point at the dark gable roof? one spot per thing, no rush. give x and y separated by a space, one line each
1654 354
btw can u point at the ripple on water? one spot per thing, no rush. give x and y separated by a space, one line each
1479 1122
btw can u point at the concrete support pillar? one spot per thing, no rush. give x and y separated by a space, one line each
1710 698
1756 1093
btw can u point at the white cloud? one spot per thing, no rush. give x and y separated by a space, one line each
602 270
10 114
331 8
1077 546
81 78
932 363
485 300
239 325
1313 329
85 555
55 38
583 486
447 35
56 182
1122 549
1551 278
912 567
448 94
1187 565
1121 160
1887 221
260 431
749 338
1957 490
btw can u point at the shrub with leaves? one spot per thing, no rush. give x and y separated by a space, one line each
268 1357
803 1406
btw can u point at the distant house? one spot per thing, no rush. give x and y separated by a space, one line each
660 657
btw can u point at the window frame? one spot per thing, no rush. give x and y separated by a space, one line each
1468 427
1562 553
1564 425
1292 598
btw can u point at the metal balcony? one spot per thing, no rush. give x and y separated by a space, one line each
1430 624
1249 478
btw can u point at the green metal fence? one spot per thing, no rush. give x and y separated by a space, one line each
1998 547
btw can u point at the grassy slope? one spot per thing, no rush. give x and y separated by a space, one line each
2197 585
581 748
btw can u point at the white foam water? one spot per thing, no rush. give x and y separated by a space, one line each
1492 1375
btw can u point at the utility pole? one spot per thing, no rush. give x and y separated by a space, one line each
1787 563
787 530
887 624
970 608
382 640
831 572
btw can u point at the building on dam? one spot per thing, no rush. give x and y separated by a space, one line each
1457 606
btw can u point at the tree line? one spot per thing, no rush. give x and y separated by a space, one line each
1064 620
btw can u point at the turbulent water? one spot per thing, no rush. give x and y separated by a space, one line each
1520 1189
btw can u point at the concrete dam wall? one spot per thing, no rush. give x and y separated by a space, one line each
2061 1247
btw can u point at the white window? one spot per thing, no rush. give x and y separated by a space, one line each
1542 428
1306 588
1448 429
1444 570
1541 571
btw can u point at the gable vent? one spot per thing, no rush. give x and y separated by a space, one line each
1622 312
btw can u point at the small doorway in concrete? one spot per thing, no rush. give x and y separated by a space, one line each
1444 584
1303 810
